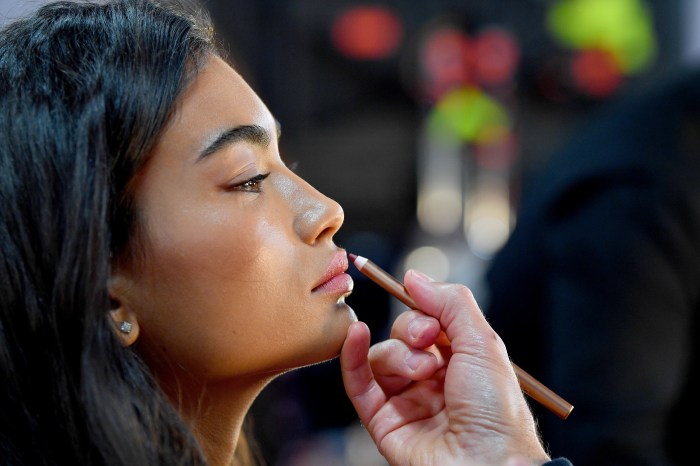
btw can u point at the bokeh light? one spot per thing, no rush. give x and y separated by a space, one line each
430 260
367 32
468 114
596 72
497 56
439 197
624 28
439 210
446 57
499 153
488 218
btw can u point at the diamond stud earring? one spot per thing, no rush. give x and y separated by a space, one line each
125 327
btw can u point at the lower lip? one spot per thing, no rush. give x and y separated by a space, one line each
339 284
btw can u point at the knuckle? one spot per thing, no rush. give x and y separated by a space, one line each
462 292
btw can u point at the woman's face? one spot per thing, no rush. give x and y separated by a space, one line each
235 245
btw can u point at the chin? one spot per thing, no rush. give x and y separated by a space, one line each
344 307
331 340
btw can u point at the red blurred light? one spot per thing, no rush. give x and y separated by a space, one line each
595 73
447 60
497 56
367 33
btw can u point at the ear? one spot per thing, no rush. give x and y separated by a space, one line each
126 325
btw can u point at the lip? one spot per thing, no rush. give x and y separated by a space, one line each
335 278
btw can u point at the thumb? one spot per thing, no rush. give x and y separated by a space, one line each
361 387
453 305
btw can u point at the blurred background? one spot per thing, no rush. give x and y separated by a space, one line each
423 118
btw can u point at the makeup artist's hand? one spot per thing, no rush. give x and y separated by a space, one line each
428 404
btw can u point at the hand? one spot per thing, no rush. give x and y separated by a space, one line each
455 402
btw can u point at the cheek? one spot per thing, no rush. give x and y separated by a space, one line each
212 290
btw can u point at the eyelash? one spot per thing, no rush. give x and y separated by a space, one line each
251 185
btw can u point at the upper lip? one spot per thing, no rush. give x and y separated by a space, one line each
337 266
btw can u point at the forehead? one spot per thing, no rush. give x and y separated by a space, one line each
218 99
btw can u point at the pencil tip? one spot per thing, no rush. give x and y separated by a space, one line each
352 256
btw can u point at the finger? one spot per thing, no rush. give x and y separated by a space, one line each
415 329
395 364
424 332
458 312
361 387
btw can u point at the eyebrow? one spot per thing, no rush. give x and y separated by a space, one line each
253 134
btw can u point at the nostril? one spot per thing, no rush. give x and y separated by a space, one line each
327 232
322 222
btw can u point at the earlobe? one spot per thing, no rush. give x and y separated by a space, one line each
125 324
124 321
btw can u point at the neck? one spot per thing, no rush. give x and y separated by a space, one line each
215 412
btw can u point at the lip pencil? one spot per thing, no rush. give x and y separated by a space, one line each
531 386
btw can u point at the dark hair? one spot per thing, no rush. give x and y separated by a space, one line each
85 91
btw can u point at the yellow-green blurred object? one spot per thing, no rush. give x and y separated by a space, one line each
468 114
623 27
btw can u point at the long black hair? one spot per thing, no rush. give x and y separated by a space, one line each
85 90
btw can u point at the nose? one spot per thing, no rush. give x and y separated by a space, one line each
318 217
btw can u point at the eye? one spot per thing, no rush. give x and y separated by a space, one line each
252 185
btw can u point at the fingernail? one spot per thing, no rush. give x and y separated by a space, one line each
417 327
421 276
414 360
